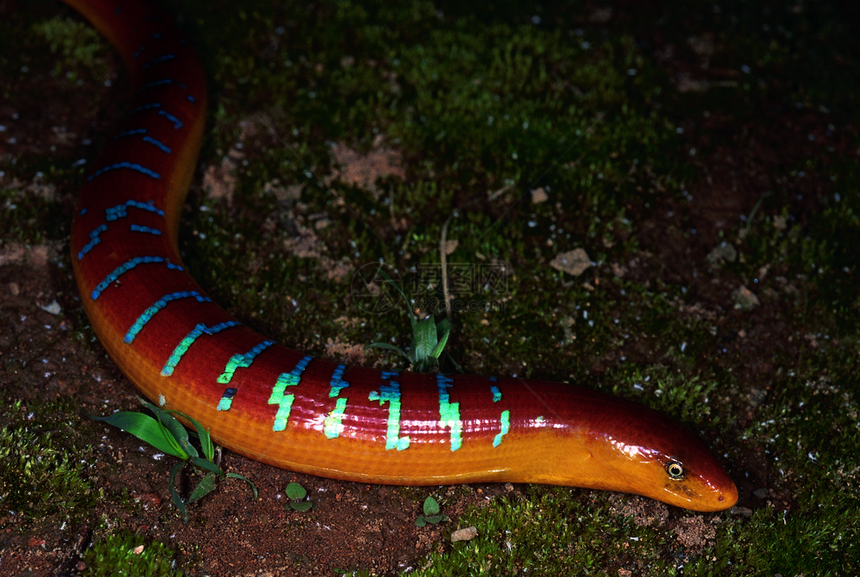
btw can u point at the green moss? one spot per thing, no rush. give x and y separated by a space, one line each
550 533
77 48
75 55
43 474
31 213
491 117
810 263
127 553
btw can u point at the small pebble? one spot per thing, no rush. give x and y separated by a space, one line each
744 299
573 262
466 534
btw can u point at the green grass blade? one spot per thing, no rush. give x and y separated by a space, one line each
388 347
174 495
244 478
173 426
146 429
208 466
443 331
205 439
424 338
398 289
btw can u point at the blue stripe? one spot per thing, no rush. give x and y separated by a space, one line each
94 240
156 83
121 210
129 165
143 107
159 60
149 139
242 361
185 344
134 132
153 309
157 106
124 268
337 383
140 228
227 399
177 124
157 144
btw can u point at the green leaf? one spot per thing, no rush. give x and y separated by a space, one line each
179 431
443 330
431 506
302 506
208 465
205 439
146 429
173 426
435 518
420 522
174 495
296 492
204 487
424 338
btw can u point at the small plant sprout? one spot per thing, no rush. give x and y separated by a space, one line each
298 498
428 337
431 514
167 434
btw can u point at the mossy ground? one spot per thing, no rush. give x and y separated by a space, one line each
699 153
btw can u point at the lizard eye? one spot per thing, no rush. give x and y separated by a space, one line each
675 470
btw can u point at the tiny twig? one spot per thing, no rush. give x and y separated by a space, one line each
443 247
